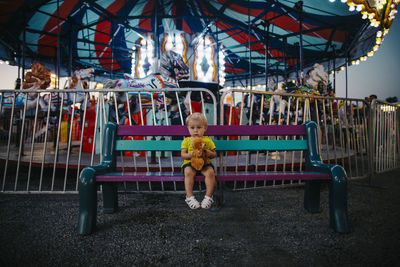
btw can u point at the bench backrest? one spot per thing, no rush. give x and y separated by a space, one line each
216 131
295 137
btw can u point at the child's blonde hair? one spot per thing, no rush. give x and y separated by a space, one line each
197 116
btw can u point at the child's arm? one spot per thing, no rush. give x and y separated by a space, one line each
185 154
210 153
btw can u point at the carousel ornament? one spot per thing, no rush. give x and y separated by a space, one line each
37 78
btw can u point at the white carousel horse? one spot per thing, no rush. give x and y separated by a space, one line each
76 82
318 77
172 69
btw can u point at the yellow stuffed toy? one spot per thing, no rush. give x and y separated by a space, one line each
198 155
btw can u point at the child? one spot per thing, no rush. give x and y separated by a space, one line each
197 125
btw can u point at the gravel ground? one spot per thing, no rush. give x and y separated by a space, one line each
263 227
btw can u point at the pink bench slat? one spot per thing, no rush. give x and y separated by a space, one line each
213 130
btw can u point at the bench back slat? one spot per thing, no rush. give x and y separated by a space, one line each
222 145
212 130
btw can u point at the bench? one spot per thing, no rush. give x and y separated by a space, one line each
296 138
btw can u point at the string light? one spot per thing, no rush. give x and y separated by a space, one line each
374 10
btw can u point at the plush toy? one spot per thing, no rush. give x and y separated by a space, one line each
198 155
37 78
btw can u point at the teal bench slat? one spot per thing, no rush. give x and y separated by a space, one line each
221 145
148 145
260 145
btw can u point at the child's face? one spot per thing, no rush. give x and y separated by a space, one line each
196 128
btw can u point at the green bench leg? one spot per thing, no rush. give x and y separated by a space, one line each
312 196
87 202
338 200
110 198
338 218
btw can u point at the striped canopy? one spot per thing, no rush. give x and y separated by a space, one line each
101 34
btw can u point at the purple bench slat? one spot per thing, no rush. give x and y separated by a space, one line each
226 176
213 130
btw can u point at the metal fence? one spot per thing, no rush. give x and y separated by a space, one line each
385 135
48 136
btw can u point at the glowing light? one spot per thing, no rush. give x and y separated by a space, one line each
146 58
205 60
221 65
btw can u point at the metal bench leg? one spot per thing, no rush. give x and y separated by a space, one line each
338 200
87 202
312 191
110 198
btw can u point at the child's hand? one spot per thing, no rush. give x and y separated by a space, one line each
209 153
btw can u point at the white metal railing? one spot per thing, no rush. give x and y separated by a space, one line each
343 125
43 150
385 133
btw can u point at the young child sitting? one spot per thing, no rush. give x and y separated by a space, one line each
197 125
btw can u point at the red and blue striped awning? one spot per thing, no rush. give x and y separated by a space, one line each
101 34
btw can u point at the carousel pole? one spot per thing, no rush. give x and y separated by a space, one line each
70 58
297 61
112 56
346 78
157 50
299 7
266 57
217 45
23 57
284 59
19 65
249 32
334 68
58 45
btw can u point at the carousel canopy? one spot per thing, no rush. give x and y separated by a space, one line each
74 34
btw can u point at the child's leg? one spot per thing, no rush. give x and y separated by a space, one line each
189 180
209 175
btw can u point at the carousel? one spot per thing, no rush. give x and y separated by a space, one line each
83 63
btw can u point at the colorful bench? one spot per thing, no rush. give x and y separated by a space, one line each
305 139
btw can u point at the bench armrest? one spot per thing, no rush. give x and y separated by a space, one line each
108 162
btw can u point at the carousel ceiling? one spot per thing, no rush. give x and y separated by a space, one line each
104 34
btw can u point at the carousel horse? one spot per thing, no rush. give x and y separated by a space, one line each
318 78
172 69
76 82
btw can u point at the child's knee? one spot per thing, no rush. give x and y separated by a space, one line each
209 173
189 172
